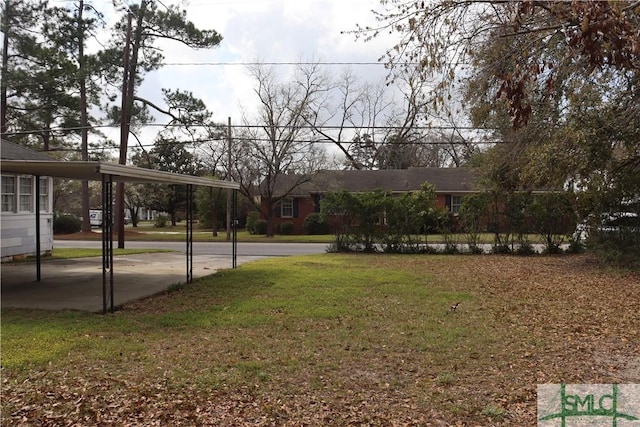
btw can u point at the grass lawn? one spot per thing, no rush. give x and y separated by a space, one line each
177 234
331 340
67 253
146 232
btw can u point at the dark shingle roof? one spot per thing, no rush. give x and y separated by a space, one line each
11 151
445 180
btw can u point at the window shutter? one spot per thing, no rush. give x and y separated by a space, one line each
316 203
277 210
447 201
295 208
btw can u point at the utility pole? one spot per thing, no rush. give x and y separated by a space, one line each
124 136
229 177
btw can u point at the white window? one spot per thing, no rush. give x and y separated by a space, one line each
286 208
456 202
8 194
44 194
25 194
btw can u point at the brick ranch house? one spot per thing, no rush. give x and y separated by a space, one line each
451 185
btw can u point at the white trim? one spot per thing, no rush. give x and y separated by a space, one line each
12 208
24 195
288 201
17 194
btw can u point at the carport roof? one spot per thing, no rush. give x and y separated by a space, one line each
94 171
17 159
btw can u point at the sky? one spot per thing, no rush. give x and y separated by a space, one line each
268 31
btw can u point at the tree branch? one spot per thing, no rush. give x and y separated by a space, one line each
155 107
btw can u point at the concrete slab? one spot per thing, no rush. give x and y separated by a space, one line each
76 284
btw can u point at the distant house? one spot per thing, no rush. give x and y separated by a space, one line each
451 185
18 217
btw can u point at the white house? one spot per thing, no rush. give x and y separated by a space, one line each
18 215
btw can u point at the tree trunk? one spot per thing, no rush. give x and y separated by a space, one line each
214 217
5 63
84 121
270 226
127 113
134 216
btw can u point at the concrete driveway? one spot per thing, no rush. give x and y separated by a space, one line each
76 284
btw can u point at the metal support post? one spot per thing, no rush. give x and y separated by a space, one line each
234 262
38 260
189 233
107 242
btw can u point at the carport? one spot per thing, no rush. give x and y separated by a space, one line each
108 174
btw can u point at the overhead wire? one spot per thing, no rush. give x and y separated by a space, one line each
252 126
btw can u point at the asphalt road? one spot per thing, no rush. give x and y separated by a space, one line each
211 248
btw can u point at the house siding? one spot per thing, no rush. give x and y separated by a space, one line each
19 234
18 229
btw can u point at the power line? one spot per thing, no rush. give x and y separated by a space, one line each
196 143
249 126
326 141
270 63
254 126
289 63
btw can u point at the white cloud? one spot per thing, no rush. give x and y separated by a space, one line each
268 31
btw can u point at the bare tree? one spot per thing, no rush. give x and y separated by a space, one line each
276 157
440 38
351 118
377 126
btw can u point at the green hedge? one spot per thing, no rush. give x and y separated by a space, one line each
315 224
260 227
286 228
66 224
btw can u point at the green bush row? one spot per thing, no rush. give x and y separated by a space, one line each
314 224
379 220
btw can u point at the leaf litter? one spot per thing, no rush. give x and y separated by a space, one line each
522 321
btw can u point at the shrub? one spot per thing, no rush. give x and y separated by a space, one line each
620 249
161 221
66 224
525 248
315 224
286 228
475 249
552 249
552 216
450 249
576 246
252 218
260 227
450 245
500 248
472 215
